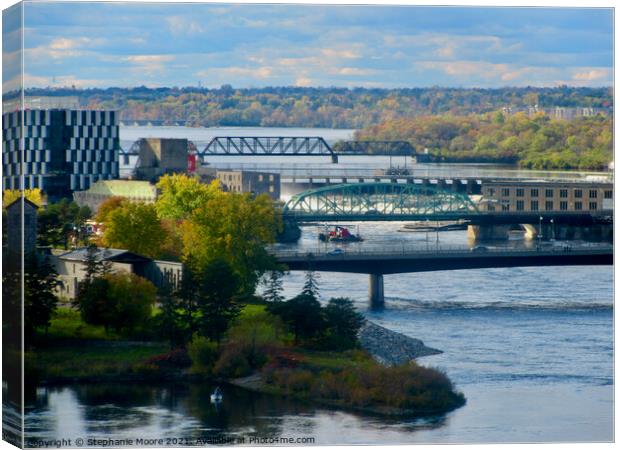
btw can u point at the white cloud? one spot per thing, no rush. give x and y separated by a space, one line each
180 25
592 75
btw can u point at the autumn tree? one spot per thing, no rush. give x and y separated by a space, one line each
10 195
134 227
180 195
233 227
107 206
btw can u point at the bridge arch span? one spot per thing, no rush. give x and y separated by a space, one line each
379 200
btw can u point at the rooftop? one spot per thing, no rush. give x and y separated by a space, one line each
124 188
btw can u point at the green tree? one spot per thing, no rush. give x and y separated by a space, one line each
134 227
57 221
311 285
343 322
302 315
131 297
274 288
116 300
233 227
218 285
40 283
180 195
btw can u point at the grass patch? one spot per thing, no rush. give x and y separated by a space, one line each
89 359
66 323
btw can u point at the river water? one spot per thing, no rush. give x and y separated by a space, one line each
531 349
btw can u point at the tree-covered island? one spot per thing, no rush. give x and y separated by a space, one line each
212 325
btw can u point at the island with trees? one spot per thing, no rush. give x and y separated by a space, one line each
226 320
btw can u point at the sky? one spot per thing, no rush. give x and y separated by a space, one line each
151 44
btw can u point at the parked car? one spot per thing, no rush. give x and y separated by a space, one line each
479 248
336 251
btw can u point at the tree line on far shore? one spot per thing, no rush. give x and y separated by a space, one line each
537 142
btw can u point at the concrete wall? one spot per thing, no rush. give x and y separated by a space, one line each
169 155
72 272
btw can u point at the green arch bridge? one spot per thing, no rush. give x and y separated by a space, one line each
379 201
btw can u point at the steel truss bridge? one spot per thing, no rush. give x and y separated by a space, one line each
379 201
387 148
269 146
388 201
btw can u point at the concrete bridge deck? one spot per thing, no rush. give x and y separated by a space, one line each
377 263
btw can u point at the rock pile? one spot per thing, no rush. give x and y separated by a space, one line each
391 348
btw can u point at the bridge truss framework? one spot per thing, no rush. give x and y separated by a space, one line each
268 145
375 200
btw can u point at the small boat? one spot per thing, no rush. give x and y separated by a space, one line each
339 234
217 396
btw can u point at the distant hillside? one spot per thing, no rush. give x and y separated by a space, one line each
324 107
536 142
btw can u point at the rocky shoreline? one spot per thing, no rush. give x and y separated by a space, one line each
391 348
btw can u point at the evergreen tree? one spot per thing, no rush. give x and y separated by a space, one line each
273 291
40 283
311 286
343 322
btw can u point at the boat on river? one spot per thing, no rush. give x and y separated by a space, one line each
339 234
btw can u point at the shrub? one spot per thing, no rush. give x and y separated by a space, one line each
174 359
233 362
203 354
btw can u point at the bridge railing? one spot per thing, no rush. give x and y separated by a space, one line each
434 249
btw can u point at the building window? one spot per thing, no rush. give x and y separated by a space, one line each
593 206
549 206
271 178
260 177
271 189
506 207
549 193
563 206
505 192
520 205
563 193
490 207
608 194
491 192
520 192
577 206
578 193
534 205
534 193
593 193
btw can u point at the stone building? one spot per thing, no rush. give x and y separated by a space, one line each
71 268
252 182
558 196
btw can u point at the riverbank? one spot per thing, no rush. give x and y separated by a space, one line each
274 364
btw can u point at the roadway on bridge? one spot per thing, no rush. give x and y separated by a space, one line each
408 259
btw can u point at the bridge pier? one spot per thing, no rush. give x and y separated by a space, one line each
488 232
375 290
